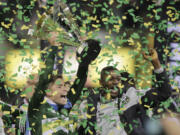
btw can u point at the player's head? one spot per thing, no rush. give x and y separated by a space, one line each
58 89
111 79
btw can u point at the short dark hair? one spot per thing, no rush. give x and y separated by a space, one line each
125 75
92 42
106 70
53 79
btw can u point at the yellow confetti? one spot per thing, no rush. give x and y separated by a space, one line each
24 27
59 29
103 106
92 18
98 29
5 25
92 109
95 26
154 11
169 7
147 24
12 90
159 110
168 12
10 39
54 93
110 42
73 91
105 19
174 19
31 42
44 101
111 2
88 116
55 72
42 65
59 53
166 51
120 22
149 82
140 102
117 26
131 41
11 20
82 30
36 22
97 21
108 96
118 127
122 109
13 108
124 17
110 31
14 12
107 36
59 47
90 131
23 95
23 40
6 112
147 106
154 93
60 61
59 14
50 50
152 30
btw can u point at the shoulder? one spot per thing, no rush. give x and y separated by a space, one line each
130 98
83 104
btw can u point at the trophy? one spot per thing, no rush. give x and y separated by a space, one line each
49 22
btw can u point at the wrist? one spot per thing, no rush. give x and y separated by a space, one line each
156 63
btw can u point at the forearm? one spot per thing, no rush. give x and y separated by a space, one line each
49 63
86 56
163 83
79 83
160 93
39 94
156 64
162 89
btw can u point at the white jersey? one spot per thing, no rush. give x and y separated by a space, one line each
1 127
108 121
107 117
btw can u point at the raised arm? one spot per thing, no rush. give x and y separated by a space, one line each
88 54
44 75
163 90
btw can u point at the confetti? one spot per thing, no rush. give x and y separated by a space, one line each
118 23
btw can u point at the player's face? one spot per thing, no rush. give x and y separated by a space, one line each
112 81
59 90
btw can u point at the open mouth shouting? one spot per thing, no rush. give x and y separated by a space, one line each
63 98
114 91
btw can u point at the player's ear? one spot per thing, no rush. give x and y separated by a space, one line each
49 91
